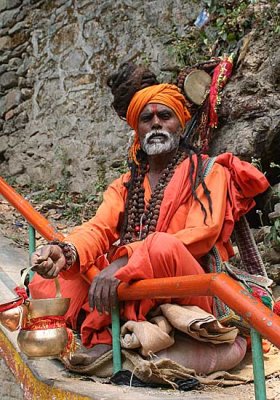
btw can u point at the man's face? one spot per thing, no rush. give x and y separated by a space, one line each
159 129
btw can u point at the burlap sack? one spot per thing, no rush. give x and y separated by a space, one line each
166 371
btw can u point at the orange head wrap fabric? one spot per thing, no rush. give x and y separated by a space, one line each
166 94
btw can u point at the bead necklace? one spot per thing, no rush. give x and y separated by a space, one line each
140 221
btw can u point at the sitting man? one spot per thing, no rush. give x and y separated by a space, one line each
161 219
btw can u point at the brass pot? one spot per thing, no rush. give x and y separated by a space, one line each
13 318
42 343
44 307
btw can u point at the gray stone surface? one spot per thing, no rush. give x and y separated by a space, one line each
3 144
9 388
8 80
63 50
5 42
13 99
250 108
7 4
67 50
7 17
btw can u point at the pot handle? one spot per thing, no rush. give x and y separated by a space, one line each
56 281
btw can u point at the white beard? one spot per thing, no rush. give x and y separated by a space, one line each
170 143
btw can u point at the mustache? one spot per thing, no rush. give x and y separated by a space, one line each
154 133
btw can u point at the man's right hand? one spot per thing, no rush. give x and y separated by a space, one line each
48 261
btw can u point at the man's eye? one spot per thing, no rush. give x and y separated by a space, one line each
165 116
145 118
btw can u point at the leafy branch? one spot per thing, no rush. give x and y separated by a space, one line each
226 24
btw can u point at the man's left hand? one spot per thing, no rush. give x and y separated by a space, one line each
103 289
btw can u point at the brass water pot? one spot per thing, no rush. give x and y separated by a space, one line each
44 307
43 343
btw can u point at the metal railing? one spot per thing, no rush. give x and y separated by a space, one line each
262 320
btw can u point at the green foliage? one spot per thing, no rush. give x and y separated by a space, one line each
73 207
229 21
122 167
274 165
274 235
256 162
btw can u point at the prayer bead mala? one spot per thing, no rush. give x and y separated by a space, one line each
140 221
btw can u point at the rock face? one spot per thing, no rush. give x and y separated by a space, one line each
249 116
57 122
55 115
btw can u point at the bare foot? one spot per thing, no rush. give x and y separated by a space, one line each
88 356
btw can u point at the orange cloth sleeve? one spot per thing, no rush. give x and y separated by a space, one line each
94 238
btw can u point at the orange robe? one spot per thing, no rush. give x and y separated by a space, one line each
183 238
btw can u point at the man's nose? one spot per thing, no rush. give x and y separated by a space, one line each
156 122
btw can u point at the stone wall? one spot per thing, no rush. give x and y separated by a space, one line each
249 114
56 121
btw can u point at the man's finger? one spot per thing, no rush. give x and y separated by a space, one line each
44 252
105 299
91 293
52 272
44 267
98 297
60 263
113 299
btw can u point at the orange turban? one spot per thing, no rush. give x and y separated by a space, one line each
166 94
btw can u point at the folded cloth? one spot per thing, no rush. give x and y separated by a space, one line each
198 324
157 334
149 337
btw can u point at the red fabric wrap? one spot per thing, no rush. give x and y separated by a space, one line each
12 304
47 322
21 291
276 307
52 322
220 77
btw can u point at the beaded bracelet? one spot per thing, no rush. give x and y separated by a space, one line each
69 251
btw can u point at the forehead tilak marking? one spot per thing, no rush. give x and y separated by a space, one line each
154 108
